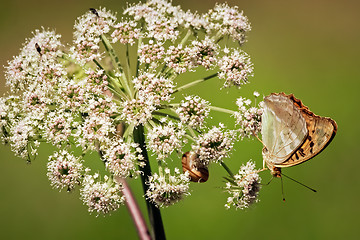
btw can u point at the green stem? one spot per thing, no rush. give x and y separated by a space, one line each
186 37
137 58
190 137
193 83
128 131
98 64
128 68
116 63
154 212
218 37
166 115
193 135
120 94
117 87
128 61
113 56
227 169
224 110
134 210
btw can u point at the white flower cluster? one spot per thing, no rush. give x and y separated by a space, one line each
228 21
58 127
247 117
161 18
138 111
214 146
166 189
236 68
73 96
96 128
65 170
204 53
244 187
164 139
198 53
151 92
126 32
21 133
101 197
193 111
36 66
151 53
87 35
159 88
121 158
163 23
9 109
80 96
178 59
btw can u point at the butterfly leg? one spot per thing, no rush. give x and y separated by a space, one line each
268 182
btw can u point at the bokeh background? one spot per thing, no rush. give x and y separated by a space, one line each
309 48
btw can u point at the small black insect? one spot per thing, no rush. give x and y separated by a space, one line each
93 10
38 48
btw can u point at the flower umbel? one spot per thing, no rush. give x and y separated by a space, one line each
248 118
166 189
121 158
243 187
119 91
235 67
65 170
193 111
214 146
163 140
101 197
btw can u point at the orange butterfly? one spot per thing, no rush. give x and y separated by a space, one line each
291 133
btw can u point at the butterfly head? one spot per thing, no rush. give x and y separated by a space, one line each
275 171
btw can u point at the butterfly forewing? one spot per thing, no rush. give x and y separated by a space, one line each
283 128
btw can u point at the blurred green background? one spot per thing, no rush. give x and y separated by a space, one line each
309 48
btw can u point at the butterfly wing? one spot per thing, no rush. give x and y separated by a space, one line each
321 132
283 128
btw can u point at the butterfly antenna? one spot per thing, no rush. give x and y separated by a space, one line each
282 189
299 183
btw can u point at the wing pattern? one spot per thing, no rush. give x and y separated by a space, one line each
321 131
283 128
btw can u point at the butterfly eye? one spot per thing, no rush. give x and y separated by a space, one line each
197 174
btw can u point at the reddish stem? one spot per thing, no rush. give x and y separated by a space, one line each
134 210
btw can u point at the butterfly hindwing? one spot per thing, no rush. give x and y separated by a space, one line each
283 128
321 131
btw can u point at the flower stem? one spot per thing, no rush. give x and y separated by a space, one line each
227 169
224 110
154 213
167 115
193 83
128 68
186 37
113 56
138 56
134 210
116 63
132 206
